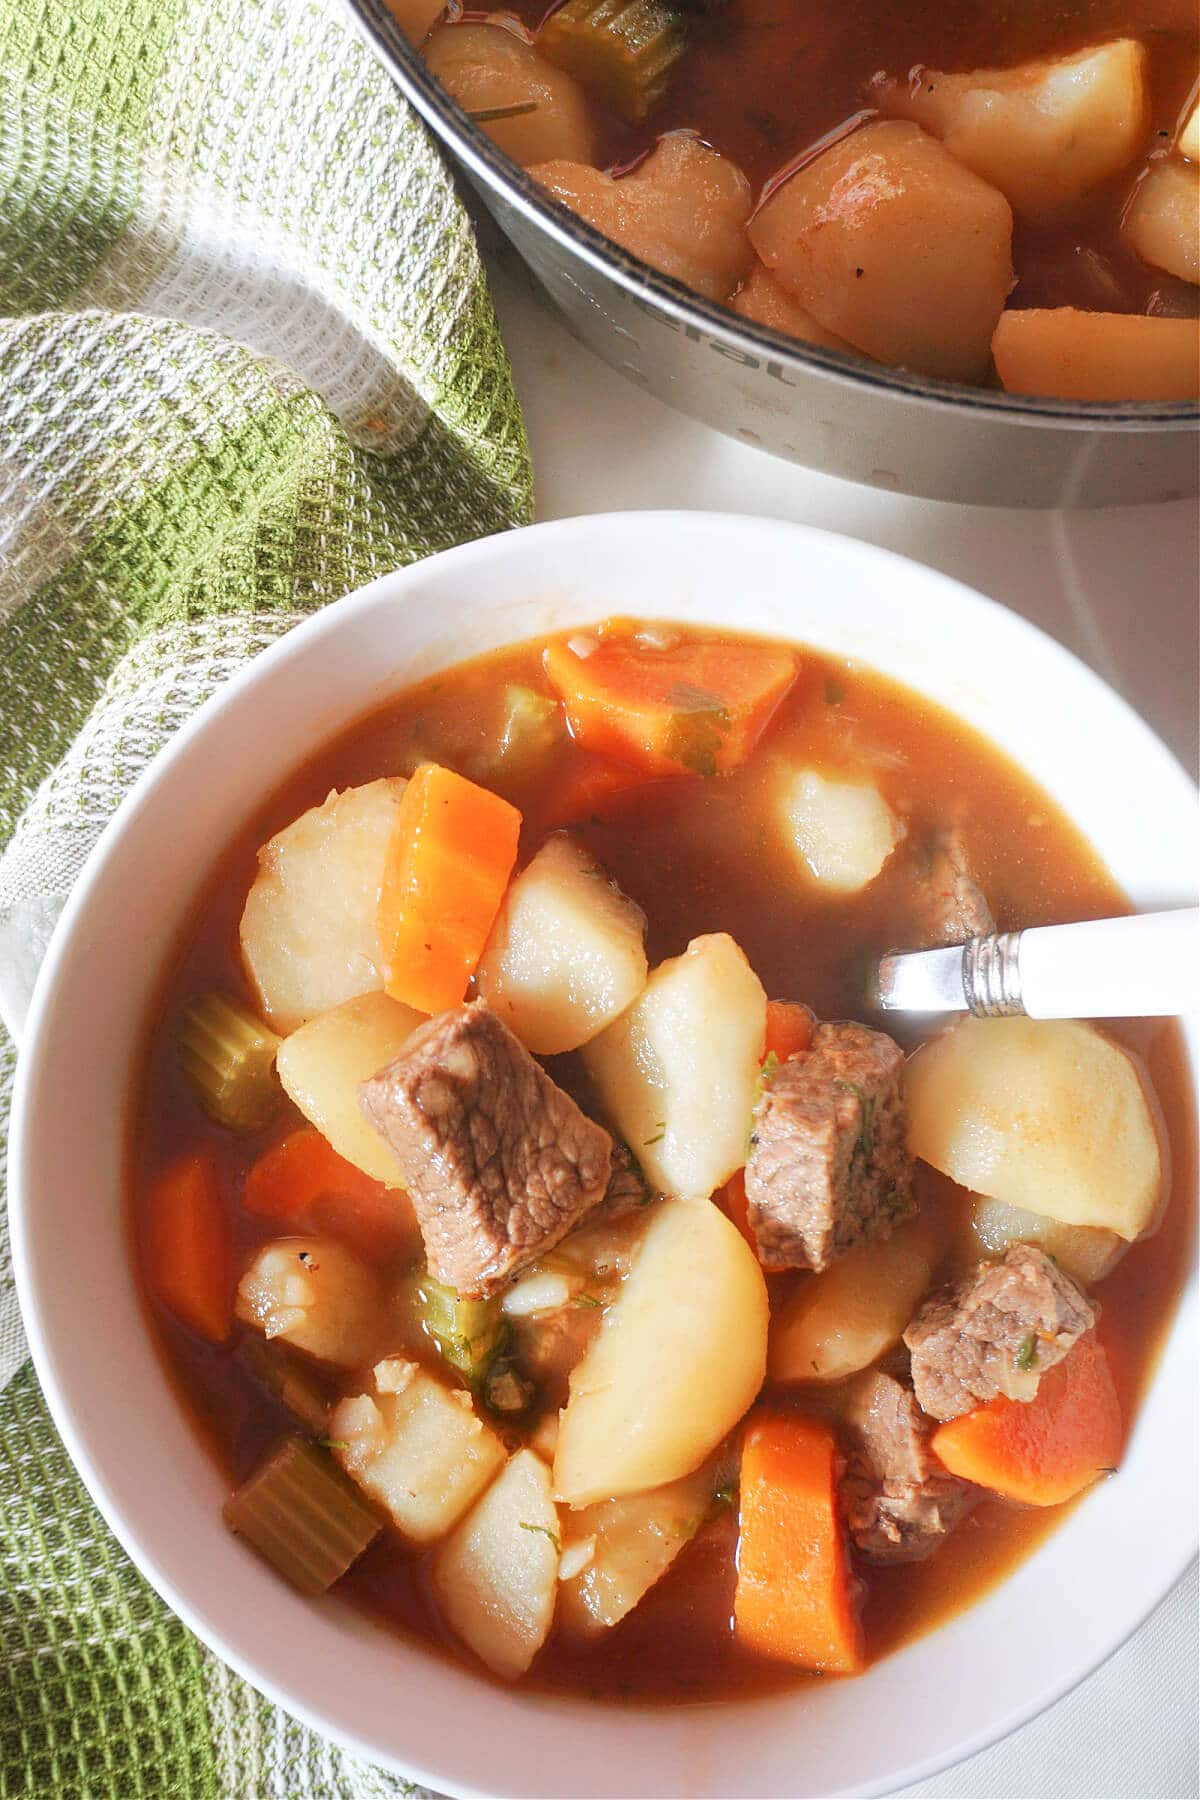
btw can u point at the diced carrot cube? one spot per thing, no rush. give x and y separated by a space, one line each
188 1246
449 859
789 1028
793 1597
698 709
583 791
302 1183
1048 1449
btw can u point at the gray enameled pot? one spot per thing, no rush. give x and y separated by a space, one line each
867 423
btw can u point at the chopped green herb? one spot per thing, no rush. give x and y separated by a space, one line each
328 1443
587 1300
487 115
770 1063
1106 1471
545 1531
835 693
694 739
1027 1353
864 1144
661 1132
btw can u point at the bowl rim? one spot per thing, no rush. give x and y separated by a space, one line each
471 144
327 622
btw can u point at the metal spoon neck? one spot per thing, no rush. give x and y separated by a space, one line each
991 975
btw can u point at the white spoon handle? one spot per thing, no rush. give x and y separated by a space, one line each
1144 966
1139 967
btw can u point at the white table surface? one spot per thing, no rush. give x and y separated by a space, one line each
1122 589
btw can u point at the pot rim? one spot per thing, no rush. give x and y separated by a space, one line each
695 313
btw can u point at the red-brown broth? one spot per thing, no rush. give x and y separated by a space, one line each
763 79
697 856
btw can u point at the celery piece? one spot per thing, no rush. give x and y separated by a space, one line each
532 726
292 1386
621 50
303 1515
469 1333
229 1056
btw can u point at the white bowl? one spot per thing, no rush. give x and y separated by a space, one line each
953 1691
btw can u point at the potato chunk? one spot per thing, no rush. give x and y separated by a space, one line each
841 1321
677 1071
1045 1114
322 1064
1162 221
683 210
844 830
1045 132
895 246
309 934
496 1577
1073 355
1188 141
764 300
1081 1250
566 955
315 1295
486 67
632 1543
416 1447
415 17
678 1359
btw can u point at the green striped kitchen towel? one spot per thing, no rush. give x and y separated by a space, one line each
247 362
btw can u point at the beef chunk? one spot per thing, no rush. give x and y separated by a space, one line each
904 1521
899 1503
628 1190
828 1167
888 1432
997 1333
949 906
499 1162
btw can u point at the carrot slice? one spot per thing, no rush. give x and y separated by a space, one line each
449 857
577 795
188 1246
793 1597
302 1183
733 1199
789 1028
1047 1449
1069 354
699 709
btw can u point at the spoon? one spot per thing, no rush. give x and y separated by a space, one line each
1144 966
